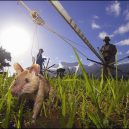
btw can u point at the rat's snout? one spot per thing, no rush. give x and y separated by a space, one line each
15 89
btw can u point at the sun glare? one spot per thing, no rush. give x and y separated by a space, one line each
16 40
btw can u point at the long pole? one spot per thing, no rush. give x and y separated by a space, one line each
120 60
25 6
69 20
72 24
107 65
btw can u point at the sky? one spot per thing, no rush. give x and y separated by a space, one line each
96 19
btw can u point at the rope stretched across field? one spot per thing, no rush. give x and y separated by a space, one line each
38 20
74 26
64 39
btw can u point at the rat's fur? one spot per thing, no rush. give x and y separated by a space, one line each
30 84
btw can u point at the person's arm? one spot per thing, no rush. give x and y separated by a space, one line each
43 59
101 49
114 50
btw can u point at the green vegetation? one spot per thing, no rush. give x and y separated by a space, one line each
81 103
4 57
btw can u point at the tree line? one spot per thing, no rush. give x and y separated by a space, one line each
5 58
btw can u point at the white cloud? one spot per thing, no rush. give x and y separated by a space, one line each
95 26
120 53
102 35
127 52
126 13
96 17
60 65
123 42
114 8
122 29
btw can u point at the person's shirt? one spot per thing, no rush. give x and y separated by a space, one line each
39 59
108 50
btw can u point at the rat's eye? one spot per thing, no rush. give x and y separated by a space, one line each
27 80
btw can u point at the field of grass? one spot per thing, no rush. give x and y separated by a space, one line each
81 103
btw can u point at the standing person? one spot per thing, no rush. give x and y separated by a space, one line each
108 52
40 60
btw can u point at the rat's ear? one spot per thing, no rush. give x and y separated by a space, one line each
35 68
18 68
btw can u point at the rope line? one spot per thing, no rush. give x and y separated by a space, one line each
52 30
33 42
35 29
39 21
64 39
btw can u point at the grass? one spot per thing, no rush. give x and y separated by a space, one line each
85 102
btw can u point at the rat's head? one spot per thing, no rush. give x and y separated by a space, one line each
25 80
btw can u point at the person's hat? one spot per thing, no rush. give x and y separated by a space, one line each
41 50
106 38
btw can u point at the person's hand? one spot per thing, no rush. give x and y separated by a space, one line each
44 58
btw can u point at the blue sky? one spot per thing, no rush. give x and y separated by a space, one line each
95 18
